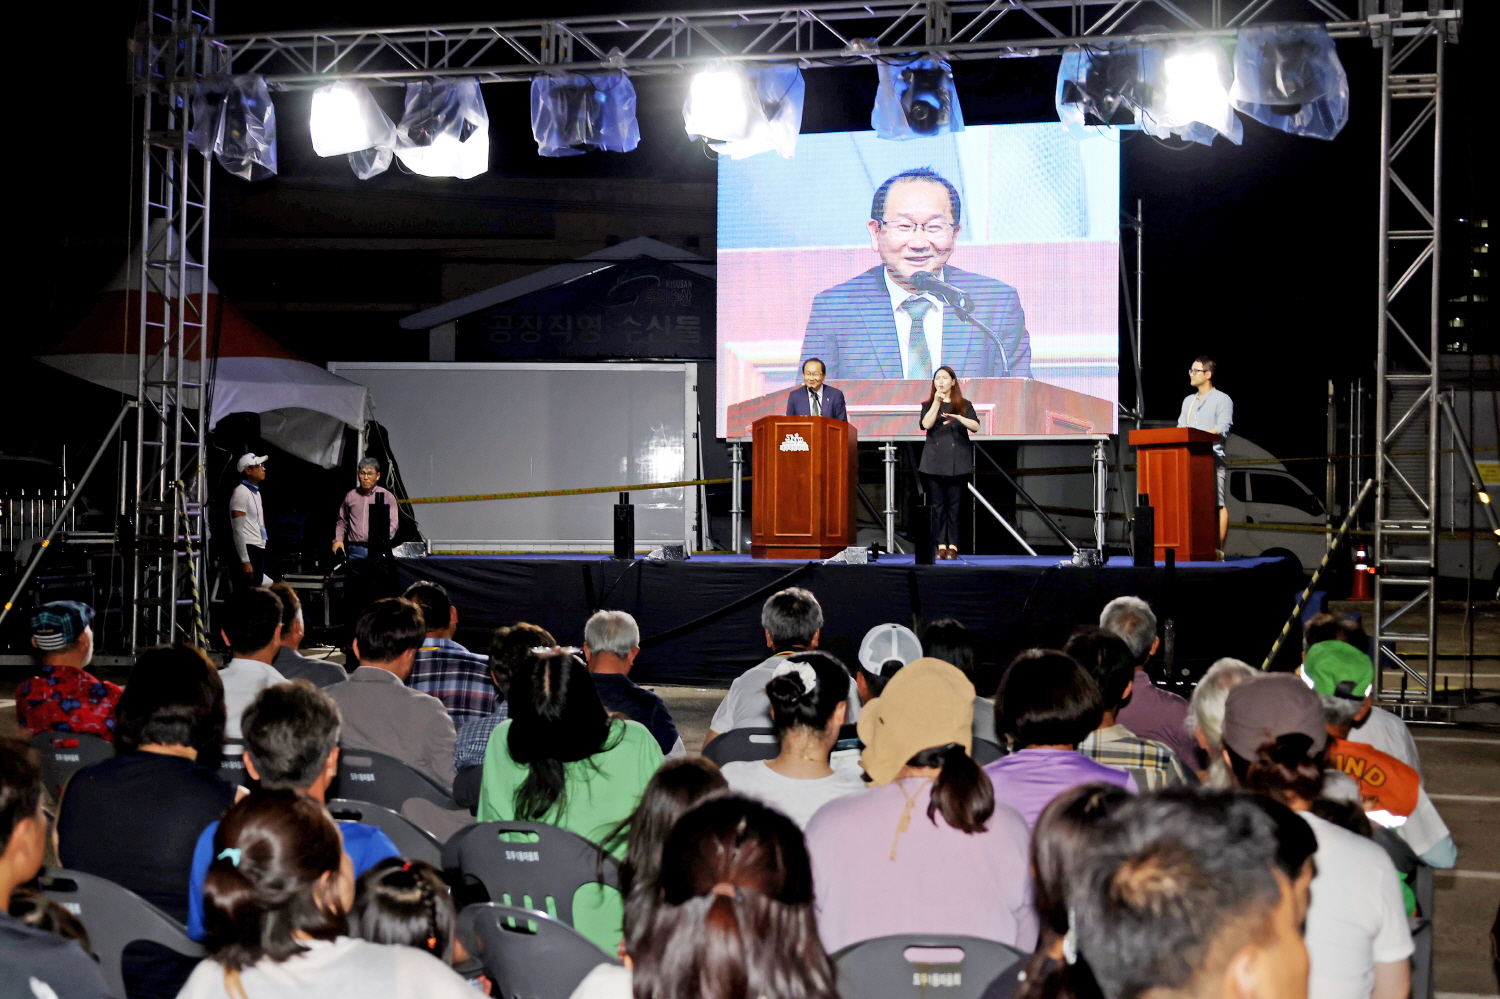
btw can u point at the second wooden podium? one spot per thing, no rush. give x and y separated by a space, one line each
804 473
1175 466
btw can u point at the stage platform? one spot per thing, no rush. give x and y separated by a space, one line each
700 619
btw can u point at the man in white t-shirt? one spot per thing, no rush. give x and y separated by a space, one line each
792 621
252 630
247 519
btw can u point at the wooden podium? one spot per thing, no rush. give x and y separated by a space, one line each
1175 466
805 469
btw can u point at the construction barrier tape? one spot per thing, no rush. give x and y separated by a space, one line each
537 494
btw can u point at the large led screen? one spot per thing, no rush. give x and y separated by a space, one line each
824 255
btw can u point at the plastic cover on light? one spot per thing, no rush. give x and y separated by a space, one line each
749 111
445 131
345 119
1190 96
916 99
1102 83
234 120
1289 76
574 113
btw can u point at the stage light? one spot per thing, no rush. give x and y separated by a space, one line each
750 111
1103 86
1289 76
445 131
718 104
346 119
234 120
916 99
1191 99
574 113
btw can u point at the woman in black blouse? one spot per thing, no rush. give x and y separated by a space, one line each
948 457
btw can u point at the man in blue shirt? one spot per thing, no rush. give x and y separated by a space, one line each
611 641
291 738
443 668
1209 409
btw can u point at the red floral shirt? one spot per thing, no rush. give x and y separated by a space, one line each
67 699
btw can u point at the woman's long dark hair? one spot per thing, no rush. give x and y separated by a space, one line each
734 917
556 718
407 903
962 791
792 705
174 697
271 852
1059 844
955 394
1282 769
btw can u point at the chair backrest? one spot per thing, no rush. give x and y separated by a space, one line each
528 864
414 842
63 754
384 780
743 744
527 954
916 964
232 766
985 751
1421 935
115 917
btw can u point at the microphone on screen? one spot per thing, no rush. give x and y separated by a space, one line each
929 283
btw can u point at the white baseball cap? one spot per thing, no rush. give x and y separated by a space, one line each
248 459
885 642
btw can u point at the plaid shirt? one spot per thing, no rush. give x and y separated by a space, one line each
474 737
457 677
1152 764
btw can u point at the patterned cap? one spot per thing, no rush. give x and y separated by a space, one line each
59 624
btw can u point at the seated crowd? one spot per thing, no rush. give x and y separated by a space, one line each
1257 842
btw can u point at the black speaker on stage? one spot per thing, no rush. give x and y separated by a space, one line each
378 534
1143 534
624 528
921 534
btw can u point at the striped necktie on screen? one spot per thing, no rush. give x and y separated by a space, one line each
918 357
817 403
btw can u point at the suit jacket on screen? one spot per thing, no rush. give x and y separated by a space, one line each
798 404
853 330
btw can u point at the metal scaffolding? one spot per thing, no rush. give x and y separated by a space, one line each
176 46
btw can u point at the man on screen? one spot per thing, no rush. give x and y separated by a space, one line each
814 398
864 327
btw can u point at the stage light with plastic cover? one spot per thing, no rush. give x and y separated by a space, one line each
1191 98
719 103
346 119
1289 76
573 113
445 131
916 99
749 111
234 120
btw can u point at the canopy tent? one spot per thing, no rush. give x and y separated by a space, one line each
303 408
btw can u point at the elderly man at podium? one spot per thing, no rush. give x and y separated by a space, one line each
814 398
1210 409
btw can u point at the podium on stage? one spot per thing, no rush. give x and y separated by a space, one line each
1175 467
805 469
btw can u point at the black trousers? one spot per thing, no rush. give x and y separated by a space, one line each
945 495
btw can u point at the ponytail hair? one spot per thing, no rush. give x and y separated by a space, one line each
807 696
407 903
1284 768
962 792
269 881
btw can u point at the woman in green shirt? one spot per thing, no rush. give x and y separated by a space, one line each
562 760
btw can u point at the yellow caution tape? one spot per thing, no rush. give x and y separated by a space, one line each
539 493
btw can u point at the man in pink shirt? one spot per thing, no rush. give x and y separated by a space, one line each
1151 713
353 526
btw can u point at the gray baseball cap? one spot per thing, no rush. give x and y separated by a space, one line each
885 642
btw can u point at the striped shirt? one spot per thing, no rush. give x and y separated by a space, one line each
474 736
1152 764
454 675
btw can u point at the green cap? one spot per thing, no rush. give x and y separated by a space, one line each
1338 669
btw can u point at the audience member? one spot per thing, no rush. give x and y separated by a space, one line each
406 903
561 759
928 849
1184 896
380 712
1152 713
611 641
733 917
808 700
509 647
1060 846
1045 707
1357 935
443 668
289 662
292 742
947 639
1343 678
111 821
1108 660
792 621
882 652
51 964
1205 717
30 906
252 630
1378 727
677 786
276 908
64 696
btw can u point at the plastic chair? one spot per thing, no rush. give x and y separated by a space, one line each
61 762
529 864
384 780
528 954
414 842
911 964
743 744
115 918
985 751
1421 935
232 766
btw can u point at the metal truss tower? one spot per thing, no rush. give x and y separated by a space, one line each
1412 49
171 51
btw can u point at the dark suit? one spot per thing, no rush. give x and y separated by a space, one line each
853 329
798 404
